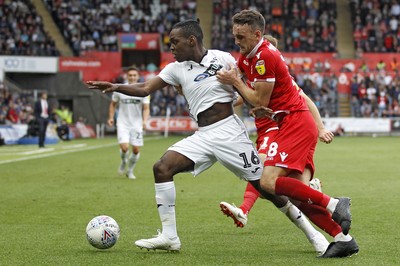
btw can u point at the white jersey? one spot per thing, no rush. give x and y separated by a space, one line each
199 83
130 110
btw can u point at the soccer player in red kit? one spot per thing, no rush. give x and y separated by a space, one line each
266 131
290 152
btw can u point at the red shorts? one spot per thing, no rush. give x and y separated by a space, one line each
293 145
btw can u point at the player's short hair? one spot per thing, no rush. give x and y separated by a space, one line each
133 68
190 27
272 40
252 18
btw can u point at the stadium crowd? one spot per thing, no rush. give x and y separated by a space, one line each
376 25
22 31
94 25
15 108
301 26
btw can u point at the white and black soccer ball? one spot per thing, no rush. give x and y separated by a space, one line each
102 232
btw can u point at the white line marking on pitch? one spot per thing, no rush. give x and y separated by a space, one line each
55 153
63 152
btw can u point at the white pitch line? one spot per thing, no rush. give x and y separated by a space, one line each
74 146
37 151
55 153
63 152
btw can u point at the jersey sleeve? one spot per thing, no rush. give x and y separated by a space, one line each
265 66
146 100
115 97
169 74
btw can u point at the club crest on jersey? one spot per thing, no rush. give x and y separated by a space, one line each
260 67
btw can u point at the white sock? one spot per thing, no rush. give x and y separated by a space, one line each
124 155
342 237
133 158
332 205
298 218
165 198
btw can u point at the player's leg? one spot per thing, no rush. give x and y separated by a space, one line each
322 218
239 156
296 139
123 140
136 140
190 154
170 164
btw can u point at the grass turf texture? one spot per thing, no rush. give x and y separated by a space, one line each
46 203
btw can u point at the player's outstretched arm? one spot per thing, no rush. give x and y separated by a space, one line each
137 89
104 86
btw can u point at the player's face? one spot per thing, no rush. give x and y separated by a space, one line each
180 46
245 37
133 76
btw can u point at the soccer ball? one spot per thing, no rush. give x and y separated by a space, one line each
102 232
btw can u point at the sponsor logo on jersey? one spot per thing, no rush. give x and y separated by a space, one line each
260 67
128 101
210 71
245 62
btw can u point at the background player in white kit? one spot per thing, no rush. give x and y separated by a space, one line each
133 113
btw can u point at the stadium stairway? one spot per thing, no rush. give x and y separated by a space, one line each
51 27
344 30
345 46
344 105
204 12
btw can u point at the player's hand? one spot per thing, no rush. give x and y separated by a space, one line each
261 111
325 135
104 86
110 122
228 76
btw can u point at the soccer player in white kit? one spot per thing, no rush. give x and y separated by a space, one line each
133 113
221 135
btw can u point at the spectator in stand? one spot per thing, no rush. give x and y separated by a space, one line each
394 65
355 106
12 114
381 65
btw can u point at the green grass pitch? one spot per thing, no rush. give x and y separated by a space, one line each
47 197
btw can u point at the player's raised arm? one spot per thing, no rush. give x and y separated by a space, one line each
137 89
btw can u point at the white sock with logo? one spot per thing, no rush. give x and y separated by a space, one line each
165 198
299 219
124 155
133 158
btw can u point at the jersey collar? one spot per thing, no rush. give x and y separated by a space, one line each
255 49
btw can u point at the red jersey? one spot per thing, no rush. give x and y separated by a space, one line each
266 64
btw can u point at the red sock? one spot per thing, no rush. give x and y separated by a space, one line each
321 218
297 190
250 196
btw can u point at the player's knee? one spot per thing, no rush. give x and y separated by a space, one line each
267 184
161 172
135 150
124 148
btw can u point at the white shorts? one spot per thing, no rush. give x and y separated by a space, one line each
130 135
225 141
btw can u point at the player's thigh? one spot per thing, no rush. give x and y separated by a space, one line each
294 145
240 157
123 134
136 137
197 149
